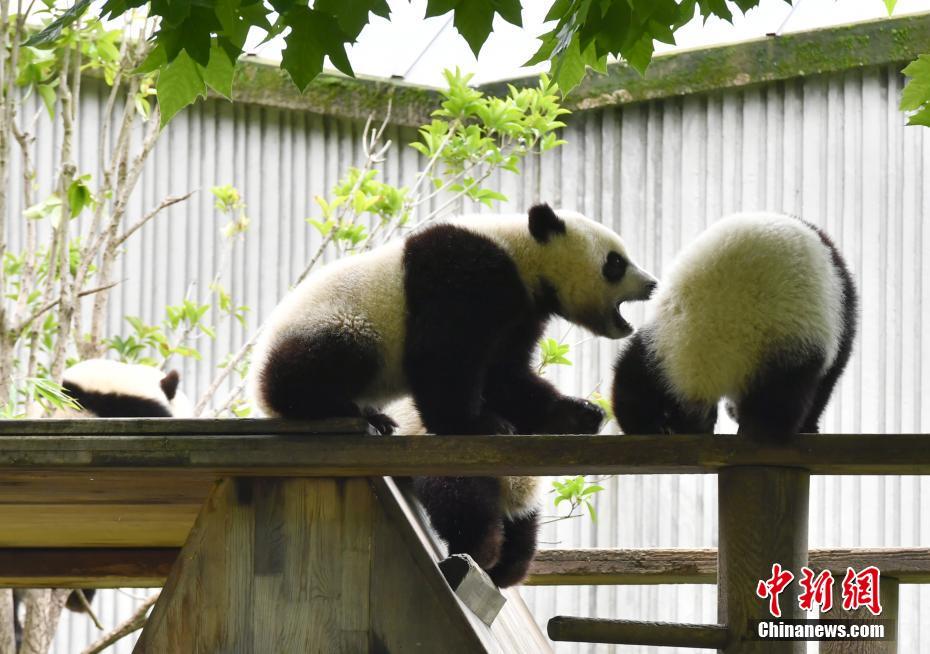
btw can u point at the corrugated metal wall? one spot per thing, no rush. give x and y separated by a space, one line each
832 149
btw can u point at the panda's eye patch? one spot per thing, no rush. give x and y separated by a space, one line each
614 267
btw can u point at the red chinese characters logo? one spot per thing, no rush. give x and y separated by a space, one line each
817 590
861 590
772 587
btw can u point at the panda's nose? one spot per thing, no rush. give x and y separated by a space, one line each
649 288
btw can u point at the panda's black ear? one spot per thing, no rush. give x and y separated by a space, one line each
544 223
169 384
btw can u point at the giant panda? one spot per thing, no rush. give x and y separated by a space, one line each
111 389
450 315
494 520
760 309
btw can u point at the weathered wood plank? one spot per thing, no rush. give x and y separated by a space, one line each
763 518
142 567
94 567
889 600
96 525
63 487
577 567
305 454
632 632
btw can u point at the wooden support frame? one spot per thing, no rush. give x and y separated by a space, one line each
751 540
318 565
631 632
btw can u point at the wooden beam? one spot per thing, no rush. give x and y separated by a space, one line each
763 518
86 567
631 632
141 567
583 567
273 448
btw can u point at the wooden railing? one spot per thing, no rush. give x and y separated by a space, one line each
71 484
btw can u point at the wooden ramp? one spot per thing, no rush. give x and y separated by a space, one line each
248 563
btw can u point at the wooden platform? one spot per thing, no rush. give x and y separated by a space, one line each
110 502
140 483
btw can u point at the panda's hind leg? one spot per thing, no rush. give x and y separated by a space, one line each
780 399
318 373
517 551
465 512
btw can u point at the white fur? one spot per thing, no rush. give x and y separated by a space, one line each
365 293
106 376
520 496
750 285
362 294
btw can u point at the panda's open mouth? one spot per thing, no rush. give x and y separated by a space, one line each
620 322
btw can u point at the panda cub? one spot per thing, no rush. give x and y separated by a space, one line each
495 520
449 315
112 389
761 310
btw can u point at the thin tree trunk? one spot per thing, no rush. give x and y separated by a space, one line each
7 635
43 611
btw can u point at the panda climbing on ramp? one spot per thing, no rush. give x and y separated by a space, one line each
761 310
450 315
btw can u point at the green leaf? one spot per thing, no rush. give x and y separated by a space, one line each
156 59
49 97
889 5
313 36
79 195
180 83
220 70
917 91
52 31
352 15
569 66
474 20
591 510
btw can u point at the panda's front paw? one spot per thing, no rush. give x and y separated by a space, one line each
572 415
491 423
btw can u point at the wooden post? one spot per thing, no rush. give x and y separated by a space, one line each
763 514
888 592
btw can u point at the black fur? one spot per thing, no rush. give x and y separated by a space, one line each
783 398
471 332
517 550
466 513
169 384
115 405
642 403
341 366
614 267
544 224
850 321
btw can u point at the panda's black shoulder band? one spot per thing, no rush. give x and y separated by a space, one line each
544 223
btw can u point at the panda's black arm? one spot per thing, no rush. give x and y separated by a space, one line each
533 405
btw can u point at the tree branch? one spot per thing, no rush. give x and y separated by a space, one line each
51 305
133 624
167 202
